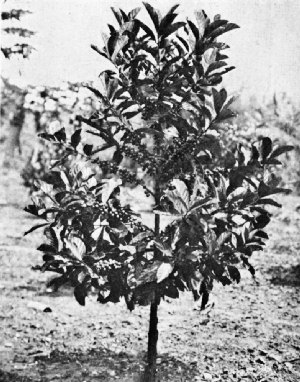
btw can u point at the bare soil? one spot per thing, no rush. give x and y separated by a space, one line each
252 333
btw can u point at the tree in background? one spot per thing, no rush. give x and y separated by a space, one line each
162 109
13 98
20 48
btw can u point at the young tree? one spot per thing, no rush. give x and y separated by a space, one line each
161 111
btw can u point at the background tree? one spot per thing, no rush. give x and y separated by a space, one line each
14 97
161 110
19 48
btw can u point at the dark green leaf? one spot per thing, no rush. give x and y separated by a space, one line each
172 28
133 13
221 30
126 104
60 135
268 201
117 157
35 227
171 291
214 66
32 209
224 280
51 236
281 150
80 294
88 149
261 221
57 282
194 29
96 49
47 137
46 248
185 44
166 22
214 25
219 99
76 138
131 114
234 273
266 147
225 114
146 29
262 234
117 16
96 92
153 14
125 17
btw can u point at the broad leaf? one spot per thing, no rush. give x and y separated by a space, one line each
164 271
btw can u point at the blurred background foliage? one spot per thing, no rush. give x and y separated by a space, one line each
41 109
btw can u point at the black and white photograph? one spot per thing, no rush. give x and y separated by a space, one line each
150 191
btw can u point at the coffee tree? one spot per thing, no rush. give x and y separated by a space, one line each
160 110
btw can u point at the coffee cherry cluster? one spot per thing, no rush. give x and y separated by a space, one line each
103 209
151 165
178 152
133 138
128 177
147 193
138 156
108 167
121 214
139 226
106 265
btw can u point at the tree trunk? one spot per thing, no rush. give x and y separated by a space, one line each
15 128
150 371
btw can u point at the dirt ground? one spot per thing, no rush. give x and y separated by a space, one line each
252 333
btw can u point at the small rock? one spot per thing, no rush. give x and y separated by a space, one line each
39 306
260 361
207 377
205 321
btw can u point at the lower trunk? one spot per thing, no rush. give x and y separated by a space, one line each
150 371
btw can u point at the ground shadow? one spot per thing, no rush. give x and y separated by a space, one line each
100 365
285 276
13 377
